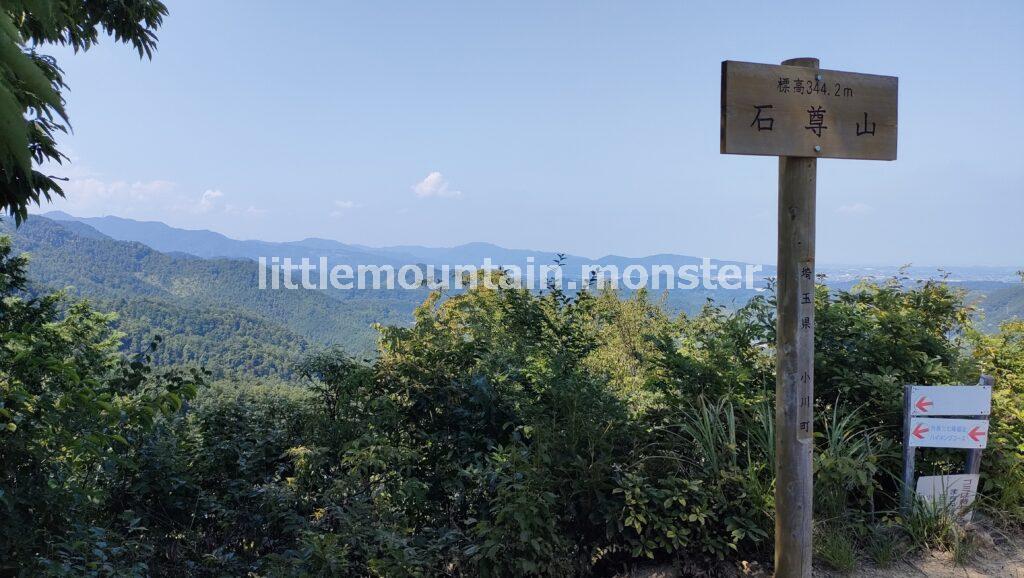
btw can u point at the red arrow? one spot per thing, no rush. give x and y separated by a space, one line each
923 405
919 430
976 433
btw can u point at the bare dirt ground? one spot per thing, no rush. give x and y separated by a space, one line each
998 555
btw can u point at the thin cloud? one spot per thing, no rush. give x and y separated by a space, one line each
855 209
342 207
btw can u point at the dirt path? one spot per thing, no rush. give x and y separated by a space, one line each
997 556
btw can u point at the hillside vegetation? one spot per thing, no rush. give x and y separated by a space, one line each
211 313
504 433
208 310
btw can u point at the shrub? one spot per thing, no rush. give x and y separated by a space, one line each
1002 356
849 463
72 411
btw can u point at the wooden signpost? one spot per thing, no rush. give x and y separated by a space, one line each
798 110
800 113
970 432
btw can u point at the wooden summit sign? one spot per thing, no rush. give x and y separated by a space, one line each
799 113
796 111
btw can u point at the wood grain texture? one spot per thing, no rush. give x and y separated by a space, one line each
787 110
794 365
794 372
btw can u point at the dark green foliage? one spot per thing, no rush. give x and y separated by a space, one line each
722 354
1002 356
872 340
227 342
73 410
31 100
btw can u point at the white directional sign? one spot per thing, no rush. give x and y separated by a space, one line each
920 430
957 492
927 432
950 400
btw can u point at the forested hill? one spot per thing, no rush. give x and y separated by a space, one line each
1000 304
209 311
207 244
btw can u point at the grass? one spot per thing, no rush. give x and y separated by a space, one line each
835 546
927 527
963 548
932 526
884 546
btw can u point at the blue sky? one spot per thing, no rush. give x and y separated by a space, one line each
585 127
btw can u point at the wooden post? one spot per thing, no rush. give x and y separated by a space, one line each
794 373
800 113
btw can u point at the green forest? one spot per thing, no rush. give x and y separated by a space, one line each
210 312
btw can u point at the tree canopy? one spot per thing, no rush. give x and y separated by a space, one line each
32 87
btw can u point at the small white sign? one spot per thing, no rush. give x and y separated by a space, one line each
936 400
938 432
957 492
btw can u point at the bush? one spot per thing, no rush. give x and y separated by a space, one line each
1002 356
73 411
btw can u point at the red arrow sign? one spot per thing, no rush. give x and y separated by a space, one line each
923 404
941 432
920 430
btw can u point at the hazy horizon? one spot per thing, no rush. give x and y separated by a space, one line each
829 265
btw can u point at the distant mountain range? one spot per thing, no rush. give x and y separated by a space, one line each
199 289
209 244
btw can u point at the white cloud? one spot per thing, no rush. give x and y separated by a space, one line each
434 185
88 194
208 200
91 190
214 201
855 209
